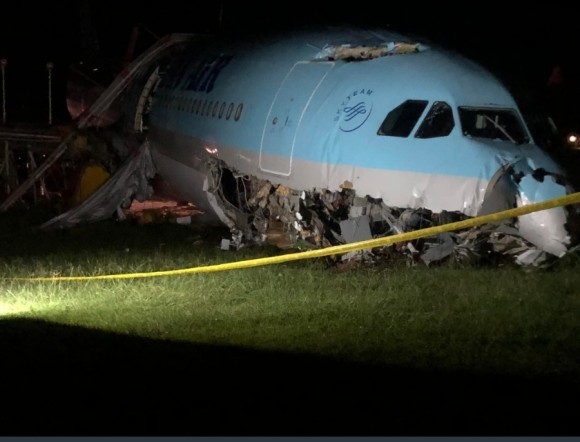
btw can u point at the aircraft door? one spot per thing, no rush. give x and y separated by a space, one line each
285 115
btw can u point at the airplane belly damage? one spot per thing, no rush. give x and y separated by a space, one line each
259 210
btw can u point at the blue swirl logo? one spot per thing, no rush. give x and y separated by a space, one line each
355 116
353 111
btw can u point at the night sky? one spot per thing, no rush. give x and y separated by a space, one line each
520 45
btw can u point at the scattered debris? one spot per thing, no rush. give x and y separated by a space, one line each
150 211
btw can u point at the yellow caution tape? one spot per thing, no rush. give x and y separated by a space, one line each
335 250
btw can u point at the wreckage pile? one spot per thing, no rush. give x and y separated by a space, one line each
259 212
301 220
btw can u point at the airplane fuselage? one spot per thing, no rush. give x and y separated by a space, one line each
415 127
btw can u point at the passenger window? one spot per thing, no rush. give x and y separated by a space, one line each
239 112
229 112
402 119
438 122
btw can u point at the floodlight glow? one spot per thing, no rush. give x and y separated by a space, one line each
7 309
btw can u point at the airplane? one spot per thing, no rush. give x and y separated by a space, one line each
346 122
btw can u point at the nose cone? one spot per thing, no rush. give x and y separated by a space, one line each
547 228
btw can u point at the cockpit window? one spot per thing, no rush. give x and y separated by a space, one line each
402 119
438 122
499 124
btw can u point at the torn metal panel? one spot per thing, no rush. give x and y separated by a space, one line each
350 52
442 249
500 193
356 229
131 181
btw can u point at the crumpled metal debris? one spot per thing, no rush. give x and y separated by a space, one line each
316 218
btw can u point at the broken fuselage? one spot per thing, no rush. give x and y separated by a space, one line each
392 119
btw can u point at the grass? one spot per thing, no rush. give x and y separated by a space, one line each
475 320
482 323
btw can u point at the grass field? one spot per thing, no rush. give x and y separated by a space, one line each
290 349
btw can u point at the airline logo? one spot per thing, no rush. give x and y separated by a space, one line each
354 110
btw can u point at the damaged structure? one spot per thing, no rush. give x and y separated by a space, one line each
258 212
333 136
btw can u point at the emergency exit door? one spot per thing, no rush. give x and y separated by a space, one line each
285 116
